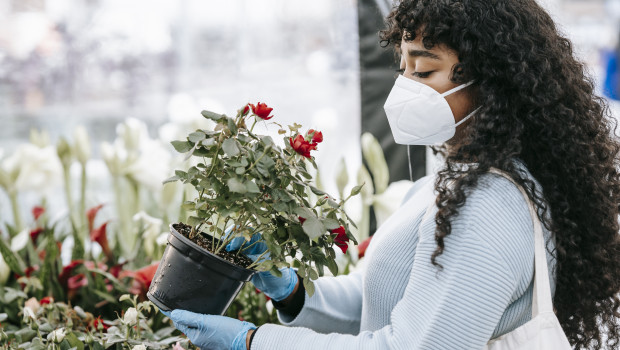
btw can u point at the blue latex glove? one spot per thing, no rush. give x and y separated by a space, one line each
211 331
277 288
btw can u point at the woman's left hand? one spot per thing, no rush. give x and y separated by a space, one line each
211 331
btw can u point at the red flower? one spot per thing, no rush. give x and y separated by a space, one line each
117 269
302 220
301 146
142 278
66 271
361 249
78 281
90 215
246 109
262 110
34 234
46 300
317 136
37 212
98 321
341 239
99 235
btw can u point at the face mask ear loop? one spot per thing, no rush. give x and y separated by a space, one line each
458 88
468 116
409 161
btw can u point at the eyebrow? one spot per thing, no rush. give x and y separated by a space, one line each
422 53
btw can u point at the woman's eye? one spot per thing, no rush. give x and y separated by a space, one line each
422 74
400 71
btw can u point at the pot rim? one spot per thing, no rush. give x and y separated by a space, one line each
201 249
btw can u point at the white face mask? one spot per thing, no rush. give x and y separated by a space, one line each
419 115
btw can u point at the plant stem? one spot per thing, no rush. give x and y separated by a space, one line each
67 178
259 158
252 128
255 263
82 213
15 207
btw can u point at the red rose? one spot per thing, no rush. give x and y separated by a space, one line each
246 109
361 249
99 235
34 234
301 219
37 212
341 239
262 110
76 282
98 321
317 136
46 300
301 146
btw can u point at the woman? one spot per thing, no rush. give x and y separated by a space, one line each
499 71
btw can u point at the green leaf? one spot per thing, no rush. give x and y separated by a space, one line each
332 266
194 221
230 147
313 227
265 265
182 146
201 152
267 141
232 126
240 170
333 204
265 165
211 115
313 274
196 136
10 258
73 341
331 224
317 191
234 185
251 187
309 286
171 179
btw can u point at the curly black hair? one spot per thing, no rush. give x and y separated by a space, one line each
537 105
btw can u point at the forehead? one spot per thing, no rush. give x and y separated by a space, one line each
416 48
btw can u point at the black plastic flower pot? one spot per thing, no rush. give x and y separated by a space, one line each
191 278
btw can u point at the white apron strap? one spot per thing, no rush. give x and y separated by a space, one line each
541 301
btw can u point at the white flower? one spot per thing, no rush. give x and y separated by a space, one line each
32 168
39 138
81 144
32 304
132 133
131 316
386 203
20 241
57 335
117 158
152 165
162 239
373 153
139 347
152 229
5 271
28 313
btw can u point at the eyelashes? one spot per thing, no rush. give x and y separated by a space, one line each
421 75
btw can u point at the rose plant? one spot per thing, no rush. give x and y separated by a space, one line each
248 184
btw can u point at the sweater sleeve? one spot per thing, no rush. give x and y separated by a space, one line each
335 306
458 307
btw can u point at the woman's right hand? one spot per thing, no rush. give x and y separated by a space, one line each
277 288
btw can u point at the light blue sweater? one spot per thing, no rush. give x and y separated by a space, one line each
399 300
